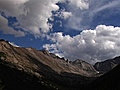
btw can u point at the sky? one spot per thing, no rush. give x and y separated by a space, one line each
76 29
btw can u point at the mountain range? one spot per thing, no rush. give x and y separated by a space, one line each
30 69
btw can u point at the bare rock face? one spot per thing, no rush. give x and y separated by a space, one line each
85 66
107 65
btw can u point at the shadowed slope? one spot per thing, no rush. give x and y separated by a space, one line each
109 81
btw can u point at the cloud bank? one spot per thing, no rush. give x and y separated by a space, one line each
32 15
91 45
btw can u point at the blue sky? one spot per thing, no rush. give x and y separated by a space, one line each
84 29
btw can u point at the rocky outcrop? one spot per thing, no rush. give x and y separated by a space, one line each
84 65
107 65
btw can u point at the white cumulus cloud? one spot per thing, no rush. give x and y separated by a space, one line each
32 15
91 45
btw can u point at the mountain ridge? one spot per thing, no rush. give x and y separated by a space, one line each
107 65
42 56
50 70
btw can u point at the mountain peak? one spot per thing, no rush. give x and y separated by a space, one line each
84 65
3 40
78 61
107 65
4 44
46 52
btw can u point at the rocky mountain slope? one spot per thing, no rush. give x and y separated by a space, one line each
31 69
84 65
109 81
107 65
